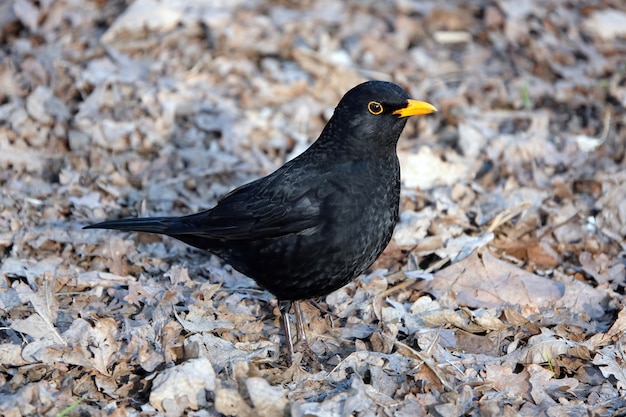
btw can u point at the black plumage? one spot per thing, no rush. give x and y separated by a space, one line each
322 218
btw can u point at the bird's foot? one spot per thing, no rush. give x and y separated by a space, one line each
305 353
307 357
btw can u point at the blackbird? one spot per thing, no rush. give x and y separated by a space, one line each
322 218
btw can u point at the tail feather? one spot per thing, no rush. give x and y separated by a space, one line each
149 224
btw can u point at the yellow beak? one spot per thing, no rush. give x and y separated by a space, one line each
415 108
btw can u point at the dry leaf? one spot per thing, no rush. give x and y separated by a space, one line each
489 282
183 387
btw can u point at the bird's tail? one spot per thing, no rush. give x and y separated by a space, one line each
149 224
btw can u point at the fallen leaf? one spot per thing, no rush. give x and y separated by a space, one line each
485 281
183 387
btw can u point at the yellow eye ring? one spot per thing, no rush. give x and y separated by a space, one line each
375 107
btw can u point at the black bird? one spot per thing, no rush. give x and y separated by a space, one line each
318 221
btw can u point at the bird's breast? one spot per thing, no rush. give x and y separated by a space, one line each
362 208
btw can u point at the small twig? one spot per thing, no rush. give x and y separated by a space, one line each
428 361
553 227
506 215
408 282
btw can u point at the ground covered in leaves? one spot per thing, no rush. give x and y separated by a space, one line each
501 294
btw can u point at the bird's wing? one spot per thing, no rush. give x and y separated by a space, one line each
265 208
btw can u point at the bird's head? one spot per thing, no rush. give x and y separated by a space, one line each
373 114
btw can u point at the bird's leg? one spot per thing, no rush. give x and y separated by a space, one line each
284 307
299 323
302 345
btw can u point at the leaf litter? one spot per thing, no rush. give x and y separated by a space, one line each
501 293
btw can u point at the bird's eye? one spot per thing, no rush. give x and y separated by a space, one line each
375 107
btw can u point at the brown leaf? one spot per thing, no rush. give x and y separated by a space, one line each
492 344
183 387
504 379
489 282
